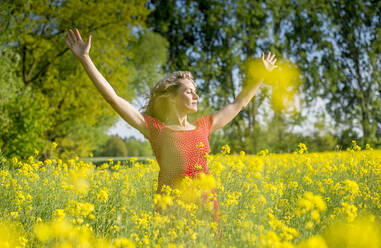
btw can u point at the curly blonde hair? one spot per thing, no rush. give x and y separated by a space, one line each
157 105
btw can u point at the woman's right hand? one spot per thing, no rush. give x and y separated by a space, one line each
74 41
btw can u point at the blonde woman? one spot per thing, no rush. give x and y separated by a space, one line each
179 145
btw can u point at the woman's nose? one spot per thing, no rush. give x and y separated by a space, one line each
195 96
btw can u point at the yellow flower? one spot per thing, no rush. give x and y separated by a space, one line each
200 145
43 232
133 159
302 148
316 241
205 181
14 160
233 198
368 147
14 215
351 186
114 229
59 213
355 147
103 195
54 145
10 235
198 167
363 232
305 204
315 215
124 243
309 225
225 149
30 159
48 162
146 240
163 200
319 202
350 211
79 221
194 236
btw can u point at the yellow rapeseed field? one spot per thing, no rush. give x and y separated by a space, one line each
303 199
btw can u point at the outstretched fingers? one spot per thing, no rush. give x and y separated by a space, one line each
78 35
272 57
268 55
69 39
88 43
73 36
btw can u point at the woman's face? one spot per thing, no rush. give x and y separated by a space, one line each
186 98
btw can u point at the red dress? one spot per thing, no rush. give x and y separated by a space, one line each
178 152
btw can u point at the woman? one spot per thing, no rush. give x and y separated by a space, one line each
179 145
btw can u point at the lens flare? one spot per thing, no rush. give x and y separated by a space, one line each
284 81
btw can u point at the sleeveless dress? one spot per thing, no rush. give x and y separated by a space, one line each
179 152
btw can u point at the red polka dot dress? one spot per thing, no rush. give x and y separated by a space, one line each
178 152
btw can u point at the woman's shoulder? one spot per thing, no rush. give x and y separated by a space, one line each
206 120
151 121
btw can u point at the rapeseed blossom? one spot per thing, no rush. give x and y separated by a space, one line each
103 195
267 200
163 200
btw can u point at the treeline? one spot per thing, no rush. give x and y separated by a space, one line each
335 44
46 97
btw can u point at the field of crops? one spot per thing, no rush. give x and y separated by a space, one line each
269 200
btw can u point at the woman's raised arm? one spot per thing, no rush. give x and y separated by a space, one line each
227 114
81 50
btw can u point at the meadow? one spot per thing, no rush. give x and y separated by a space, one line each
301 199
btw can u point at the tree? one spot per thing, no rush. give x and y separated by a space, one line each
115 147
213 39
60 103
337 45
138 148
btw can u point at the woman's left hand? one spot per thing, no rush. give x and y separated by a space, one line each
269 62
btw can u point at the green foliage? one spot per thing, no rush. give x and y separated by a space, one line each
24 112
147 62
336 44
28 119
131 147
45 94
223 36
115 147
138 148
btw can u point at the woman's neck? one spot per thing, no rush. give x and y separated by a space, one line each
177 119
